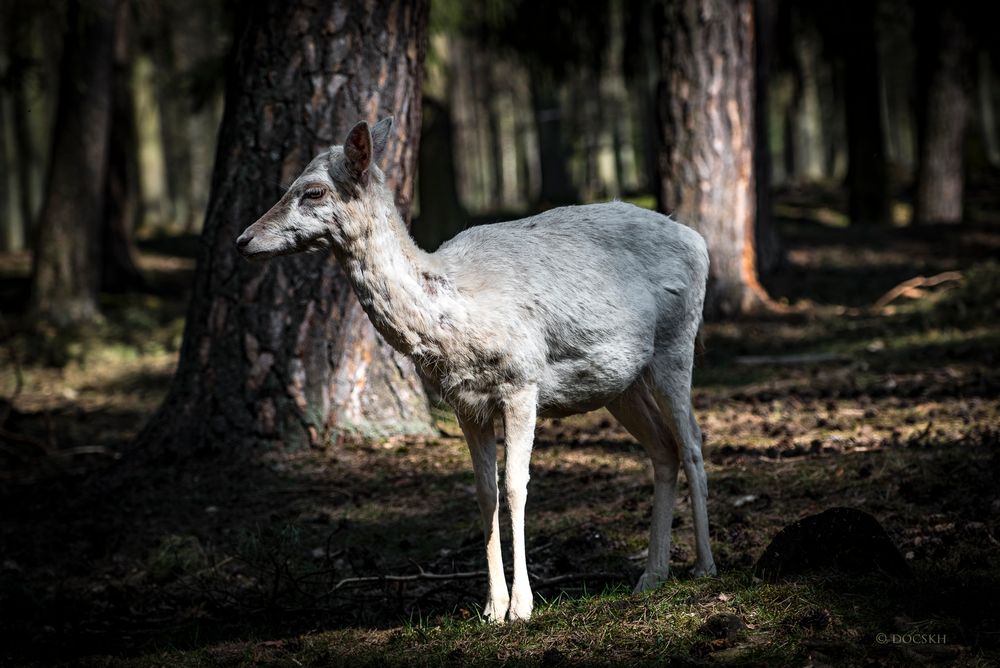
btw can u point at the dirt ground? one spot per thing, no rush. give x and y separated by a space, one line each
331 556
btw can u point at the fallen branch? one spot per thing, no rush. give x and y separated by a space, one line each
87 450
913 285
790 360
468 575
378 579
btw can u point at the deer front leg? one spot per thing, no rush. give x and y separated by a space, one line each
519 427
483 448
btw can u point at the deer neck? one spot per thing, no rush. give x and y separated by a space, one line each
389 274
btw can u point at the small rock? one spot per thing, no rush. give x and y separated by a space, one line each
842 539
813 618
553 657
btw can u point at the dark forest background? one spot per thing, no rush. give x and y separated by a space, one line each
204 461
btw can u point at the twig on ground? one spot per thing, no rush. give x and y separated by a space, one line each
791 359
912 287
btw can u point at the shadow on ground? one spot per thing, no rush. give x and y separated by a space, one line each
280 557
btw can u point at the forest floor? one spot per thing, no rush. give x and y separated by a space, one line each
825 402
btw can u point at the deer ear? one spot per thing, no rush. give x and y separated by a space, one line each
380 137
358 148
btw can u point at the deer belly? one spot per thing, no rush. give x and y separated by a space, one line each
578 385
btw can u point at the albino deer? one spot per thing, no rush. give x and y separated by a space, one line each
561 313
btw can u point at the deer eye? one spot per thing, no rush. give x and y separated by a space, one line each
313 193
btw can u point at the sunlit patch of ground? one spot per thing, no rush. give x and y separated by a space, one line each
279 562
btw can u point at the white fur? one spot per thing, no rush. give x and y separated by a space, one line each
561 313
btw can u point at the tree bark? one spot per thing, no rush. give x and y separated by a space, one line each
943 109
65 271
706 157
281 353
867 175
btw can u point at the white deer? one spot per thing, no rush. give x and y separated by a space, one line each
557 314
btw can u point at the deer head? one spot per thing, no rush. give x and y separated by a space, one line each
327 204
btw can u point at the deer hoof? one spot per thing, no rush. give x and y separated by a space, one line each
704 570
520 609
650 581
495 611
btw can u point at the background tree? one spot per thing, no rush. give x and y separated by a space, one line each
282 352
706 157
441 213
768 247
943 109
867 173
65 271
118 268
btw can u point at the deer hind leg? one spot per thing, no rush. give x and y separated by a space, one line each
483 448
672 390
639 413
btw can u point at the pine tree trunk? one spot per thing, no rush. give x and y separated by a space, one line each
867 174
943 112
282 353
706 159
66 267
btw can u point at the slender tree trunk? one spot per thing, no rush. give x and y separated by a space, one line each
13 222
769 255
943 108
557 188
867 175
650 34
807 148
174 115
65 272
11 225
119 271
706 110
29 169
985 89
495 139
282 353
441 212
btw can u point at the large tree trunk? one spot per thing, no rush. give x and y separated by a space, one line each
867 174
282 352
943 109
706 159
65 272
